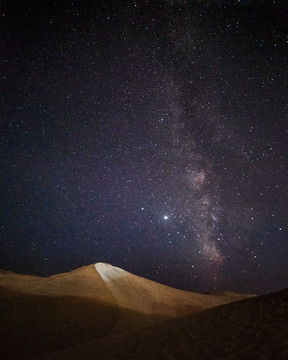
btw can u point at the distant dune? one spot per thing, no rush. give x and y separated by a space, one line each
44 315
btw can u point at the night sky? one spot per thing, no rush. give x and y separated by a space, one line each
152 135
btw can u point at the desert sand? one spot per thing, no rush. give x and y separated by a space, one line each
111 285
104 312
253 329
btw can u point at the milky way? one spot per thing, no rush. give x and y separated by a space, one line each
197 205
147 134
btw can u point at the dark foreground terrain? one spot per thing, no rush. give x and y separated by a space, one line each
54 327
251 329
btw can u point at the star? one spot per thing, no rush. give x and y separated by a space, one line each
141 160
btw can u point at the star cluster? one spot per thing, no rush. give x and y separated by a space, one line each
148 134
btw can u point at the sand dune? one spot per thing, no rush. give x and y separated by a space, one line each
137 293
111 285
94 303
252 329
36 324
32 325
84 282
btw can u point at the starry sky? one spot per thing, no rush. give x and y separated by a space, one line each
149 134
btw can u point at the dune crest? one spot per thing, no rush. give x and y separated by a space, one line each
109 272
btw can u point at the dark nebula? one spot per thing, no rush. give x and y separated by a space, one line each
151 135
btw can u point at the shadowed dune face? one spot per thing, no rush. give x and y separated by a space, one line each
247 330
36 324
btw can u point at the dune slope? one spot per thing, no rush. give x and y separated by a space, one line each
44 315
37 324
137 293
84 281
111 285
246 330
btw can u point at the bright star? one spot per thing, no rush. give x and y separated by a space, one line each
165 217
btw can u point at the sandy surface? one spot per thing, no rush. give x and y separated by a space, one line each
253 329
111 285
137 293
84 281
92 310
